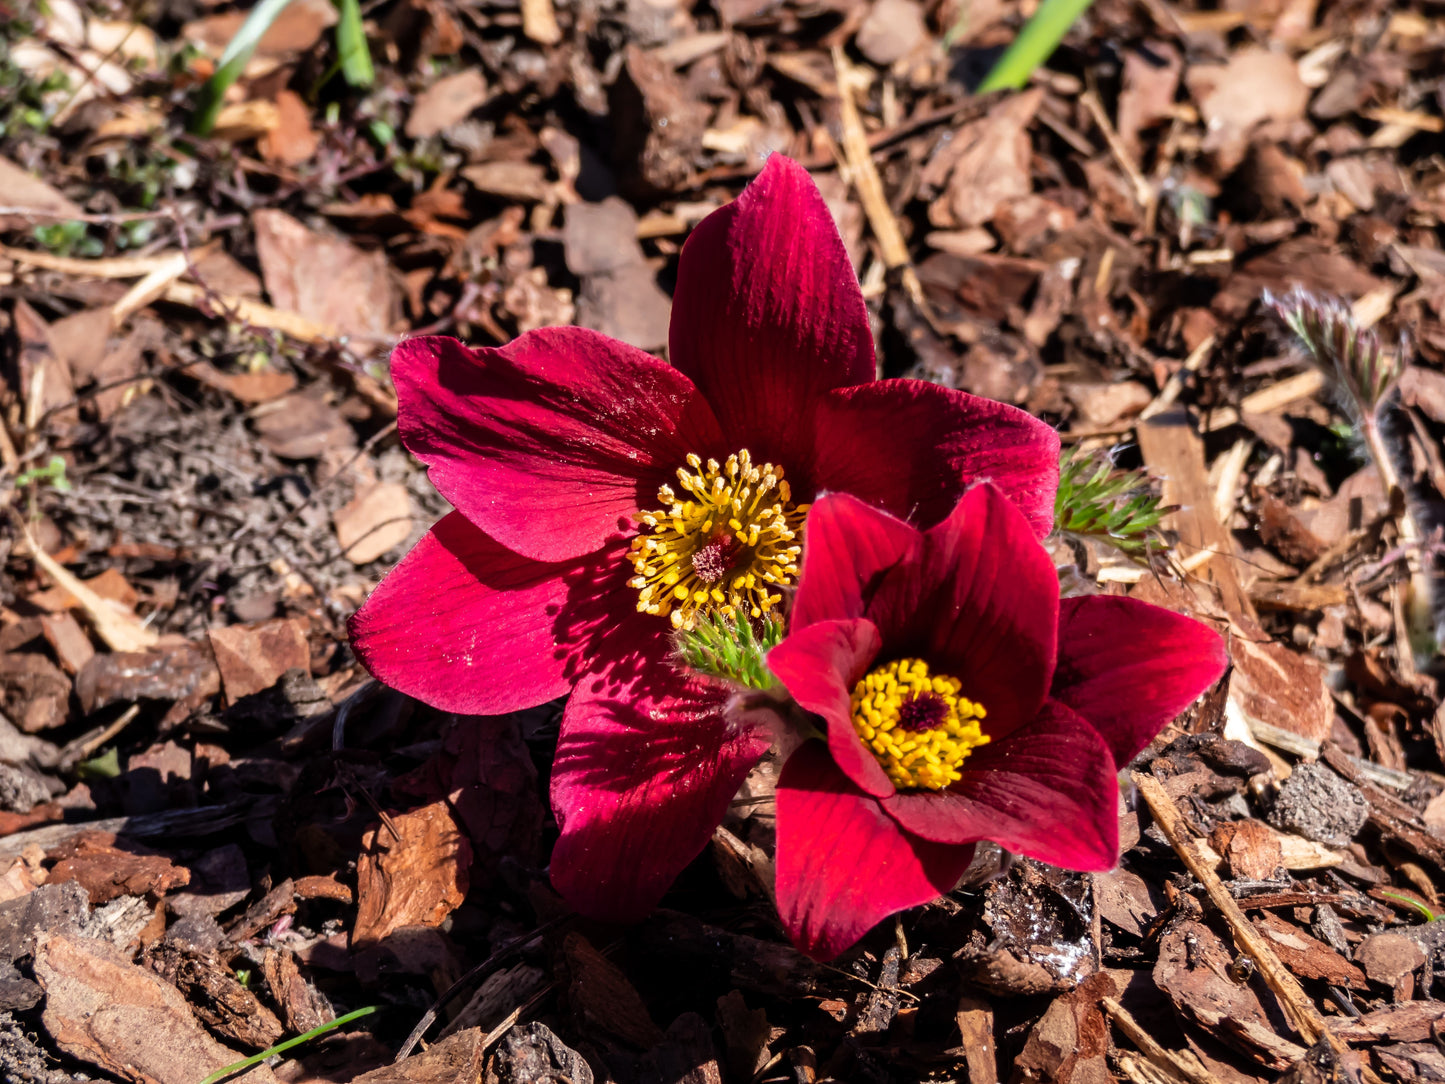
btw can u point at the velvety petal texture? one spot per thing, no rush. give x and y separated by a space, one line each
1129 667
849 548
935 444
767 314
976 598
1048 791
643 774
464 624
552 443
843 864
819 665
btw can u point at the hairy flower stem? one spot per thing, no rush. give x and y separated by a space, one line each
1367 377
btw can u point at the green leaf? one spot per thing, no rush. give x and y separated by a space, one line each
1429 914
256 1059
1034 45
233 62
351 46
53 472
105 766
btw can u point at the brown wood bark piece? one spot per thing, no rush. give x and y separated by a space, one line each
603 998
975 1025
1193 969
416 880
455 1060
1302 1012
1174 452
110 1013
1069 1043
252 658
68 640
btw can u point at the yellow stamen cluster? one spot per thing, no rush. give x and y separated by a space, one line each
727 544
889 704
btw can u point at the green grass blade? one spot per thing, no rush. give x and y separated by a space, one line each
233 62
1034 45
256 1059
351 46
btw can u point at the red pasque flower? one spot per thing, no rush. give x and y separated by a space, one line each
960 701
604 497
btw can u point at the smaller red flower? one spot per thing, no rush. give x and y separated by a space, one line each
961 701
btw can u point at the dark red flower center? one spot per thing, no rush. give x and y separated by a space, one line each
924 712
712 561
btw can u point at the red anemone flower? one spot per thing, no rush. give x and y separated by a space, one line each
961 701
604 498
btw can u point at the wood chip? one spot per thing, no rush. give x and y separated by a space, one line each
120 631
601 995
539 22
123 1019
457 1059
252 658
446 103
69 642
373 522
326 280
414 880
1174 452
106 870
1303 1015
975 1025
990 163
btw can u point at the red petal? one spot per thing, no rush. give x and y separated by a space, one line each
644 772
462 623
552 443
819 665
912 448
981 603
466 625
842 863
1049 790
1129 667
767 314
847 545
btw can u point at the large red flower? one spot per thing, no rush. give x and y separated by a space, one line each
603 497
961 701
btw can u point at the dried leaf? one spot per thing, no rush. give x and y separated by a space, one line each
446 103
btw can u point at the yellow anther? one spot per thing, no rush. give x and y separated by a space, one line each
719 549
915 724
